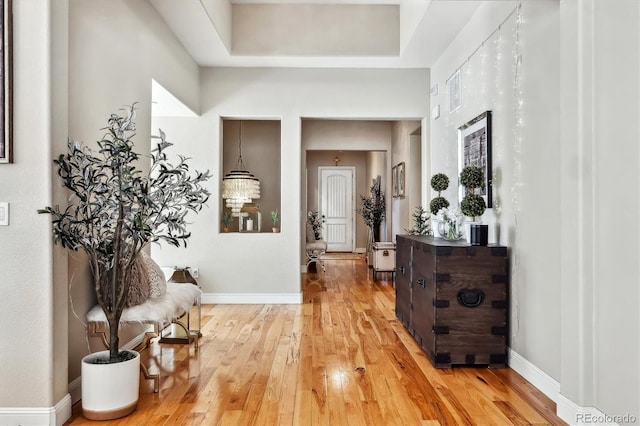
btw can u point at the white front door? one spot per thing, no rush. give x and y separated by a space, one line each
336 207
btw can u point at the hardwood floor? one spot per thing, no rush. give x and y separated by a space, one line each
340 358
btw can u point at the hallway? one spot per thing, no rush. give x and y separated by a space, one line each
340 358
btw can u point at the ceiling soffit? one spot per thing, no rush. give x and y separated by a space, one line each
316 33
315 29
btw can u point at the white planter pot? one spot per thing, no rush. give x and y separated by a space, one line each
109 391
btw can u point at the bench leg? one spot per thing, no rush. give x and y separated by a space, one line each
148 376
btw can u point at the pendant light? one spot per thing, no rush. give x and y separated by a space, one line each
239 186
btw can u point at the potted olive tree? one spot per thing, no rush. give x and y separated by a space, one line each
373 213
473 205
115 210
439 183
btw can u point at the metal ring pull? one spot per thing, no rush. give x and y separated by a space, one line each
471 298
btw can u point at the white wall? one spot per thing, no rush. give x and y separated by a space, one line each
524 99
600 163
566 161
33 308
405 148
289 95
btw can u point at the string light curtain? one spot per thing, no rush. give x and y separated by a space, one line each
239 186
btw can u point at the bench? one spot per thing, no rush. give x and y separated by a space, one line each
158 312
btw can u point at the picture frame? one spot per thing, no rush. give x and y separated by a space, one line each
455 91
394 181
474 149
6 136
401 180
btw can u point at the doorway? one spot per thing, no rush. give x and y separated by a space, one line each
336 207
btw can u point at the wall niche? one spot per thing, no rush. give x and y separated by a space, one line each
259 143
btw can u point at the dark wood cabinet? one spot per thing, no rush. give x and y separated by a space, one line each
453 299
403 281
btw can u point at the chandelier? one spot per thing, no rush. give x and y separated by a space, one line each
239 186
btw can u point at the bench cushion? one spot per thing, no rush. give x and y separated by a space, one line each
178 299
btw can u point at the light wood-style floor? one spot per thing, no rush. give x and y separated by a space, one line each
340 358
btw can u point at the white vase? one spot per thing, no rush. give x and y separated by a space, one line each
452 230
109 391
434 228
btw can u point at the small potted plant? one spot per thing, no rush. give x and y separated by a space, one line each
473 205
439 183
275 217
227 218
421 222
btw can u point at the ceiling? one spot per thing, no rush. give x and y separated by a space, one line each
316 33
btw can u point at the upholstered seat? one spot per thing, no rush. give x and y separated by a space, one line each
314 248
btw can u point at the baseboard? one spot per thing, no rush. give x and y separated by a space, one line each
567 410
577 415
37 416
538 378
63 410
75 390
251 298
360 250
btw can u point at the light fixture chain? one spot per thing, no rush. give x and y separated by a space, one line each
240 163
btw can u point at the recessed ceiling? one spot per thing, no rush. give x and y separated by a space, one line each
317 1
316 33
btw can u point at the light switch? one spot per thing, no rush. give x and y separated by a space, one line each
435 112
4 214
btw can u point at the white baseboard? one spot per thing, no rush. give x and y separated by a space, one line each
37 416
577 415
538 378
251 298
75 390
360 250
567 410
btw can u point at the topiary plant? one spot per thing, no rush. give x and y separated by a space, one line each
439 182
472 205
421 222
